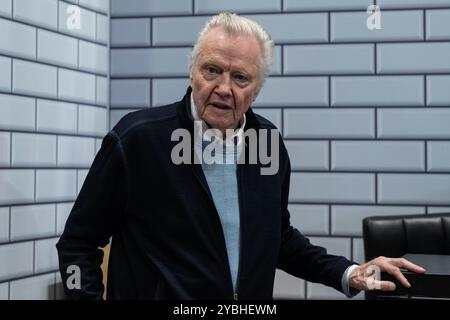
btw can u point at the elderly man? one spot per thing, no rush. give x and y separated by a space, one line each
197 230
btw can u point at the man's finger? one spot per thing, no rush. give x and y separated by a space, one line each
403 263
382 285
393 270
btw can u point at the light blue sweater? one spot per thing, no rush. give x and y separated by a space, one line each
222 182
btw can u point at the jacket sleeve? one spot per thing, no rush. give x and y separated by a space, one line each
298 256
97 212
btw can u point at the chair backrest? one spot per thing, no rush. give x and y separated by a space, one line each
394 236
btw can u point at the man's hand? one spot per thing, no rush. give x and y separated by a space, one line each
366 276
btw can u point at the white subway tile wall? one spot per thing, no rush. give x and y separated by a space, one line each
365 114
54 104
32 221
62 213
6 8
41 287
46 257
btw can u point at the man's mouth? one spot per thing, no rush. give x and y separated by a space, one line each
220 105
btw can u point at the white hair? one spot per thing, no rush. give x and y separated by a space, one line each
235 24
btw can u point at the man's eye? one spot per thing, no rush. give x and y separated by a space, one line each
240 78
212 70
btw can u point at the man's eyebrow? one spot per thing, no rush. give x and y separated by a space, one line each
217 63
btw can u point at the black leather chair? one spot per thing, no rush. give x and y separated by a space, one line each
394 236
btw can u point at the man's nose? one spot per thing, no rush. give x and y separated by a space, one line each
224 86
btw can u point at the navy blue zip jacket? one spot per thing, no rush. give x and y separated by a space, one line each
167 240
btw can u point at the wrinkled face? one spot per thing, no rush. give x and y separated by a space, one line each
225 78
